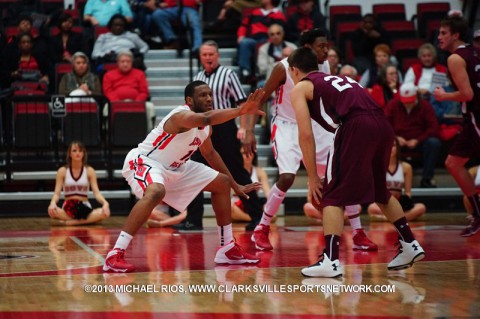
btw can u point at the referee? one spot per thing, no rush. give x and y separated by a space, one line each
227 93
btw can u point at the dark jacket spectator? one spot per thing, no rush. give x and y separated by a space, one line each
416 128
66 42
307 16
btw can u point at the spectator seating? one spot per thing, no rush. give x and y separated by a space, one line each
344 13
31 135
389 12
406 48
128 126
400 29
82 121
428 11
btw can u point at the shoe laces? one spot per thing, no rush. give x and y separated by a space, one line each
321 257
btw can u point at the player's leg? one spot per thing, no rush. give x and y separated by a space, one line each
456 167
360 239
288 156
329 264
228 251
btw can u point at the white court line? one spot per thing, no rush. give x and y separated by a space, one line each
88 249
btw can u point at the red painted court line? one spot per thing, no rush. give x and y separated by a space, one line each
161 315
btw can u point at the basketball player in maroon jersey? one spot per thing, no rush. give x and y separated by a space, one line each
464 70
359 126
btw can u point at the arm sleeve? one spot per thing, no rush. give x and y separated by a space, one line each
125 9
431 122
143 87
108 87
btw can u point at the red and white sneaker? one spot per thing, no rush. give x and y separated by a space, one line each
260 238
115 262
361 241
233 254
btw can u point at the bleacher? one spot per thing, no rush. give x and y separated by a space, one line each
30 185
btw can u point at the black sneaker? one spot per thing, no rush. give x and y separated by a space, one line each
188 227
471 229
427 183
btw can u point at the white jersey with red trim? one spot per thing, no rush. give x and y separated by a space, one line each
76 186
396 179
172 150
283 105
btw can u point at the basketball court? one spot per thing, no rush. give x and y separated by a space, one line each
55 272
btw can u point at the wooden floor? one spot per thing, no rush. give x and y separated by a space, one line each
55 272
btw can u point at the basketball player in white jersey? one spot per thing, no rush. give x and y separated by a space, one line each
286 149
159 170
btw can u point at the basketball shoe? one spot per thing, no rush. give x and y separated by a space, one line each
324 267
115 262
260 238
407 255
471 229
233 254
361 241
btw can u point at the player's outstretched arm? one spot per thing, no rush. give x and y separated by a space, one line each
183 121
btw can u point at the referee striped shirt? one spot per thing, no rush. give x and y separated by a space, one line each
225 85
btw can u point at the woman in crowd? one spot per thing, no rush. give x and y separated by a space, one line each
76 178
333 58
117 40
399 182
383 56
80 81
66 42
387 87
421 74
25 64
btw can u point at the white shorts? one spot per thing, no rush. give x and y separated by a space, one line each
182 185
286 148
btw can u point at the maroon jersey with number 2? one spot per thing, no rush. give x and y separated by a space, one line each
358 160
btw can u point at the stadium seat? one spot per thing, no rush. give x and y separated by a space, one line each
343 13
429 11
400 29
389 12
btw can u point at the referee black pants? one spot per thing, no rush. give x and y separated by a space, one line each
225 142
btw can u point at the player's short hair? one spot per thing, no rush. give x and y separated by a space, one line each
309 36
303 59
190 88
456 24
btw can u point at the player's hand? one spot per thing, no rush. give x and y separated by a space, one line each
439 93
315 187
252 105
52 211
249 143
243 190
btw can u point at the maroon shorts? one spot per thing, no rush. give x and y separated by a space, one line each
467 143
357 167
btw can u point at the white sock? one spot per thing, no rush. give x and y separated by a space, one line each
353 213
123 240
225 234
275 199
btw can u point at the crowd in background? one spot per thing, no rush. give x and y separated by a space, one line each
34 43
